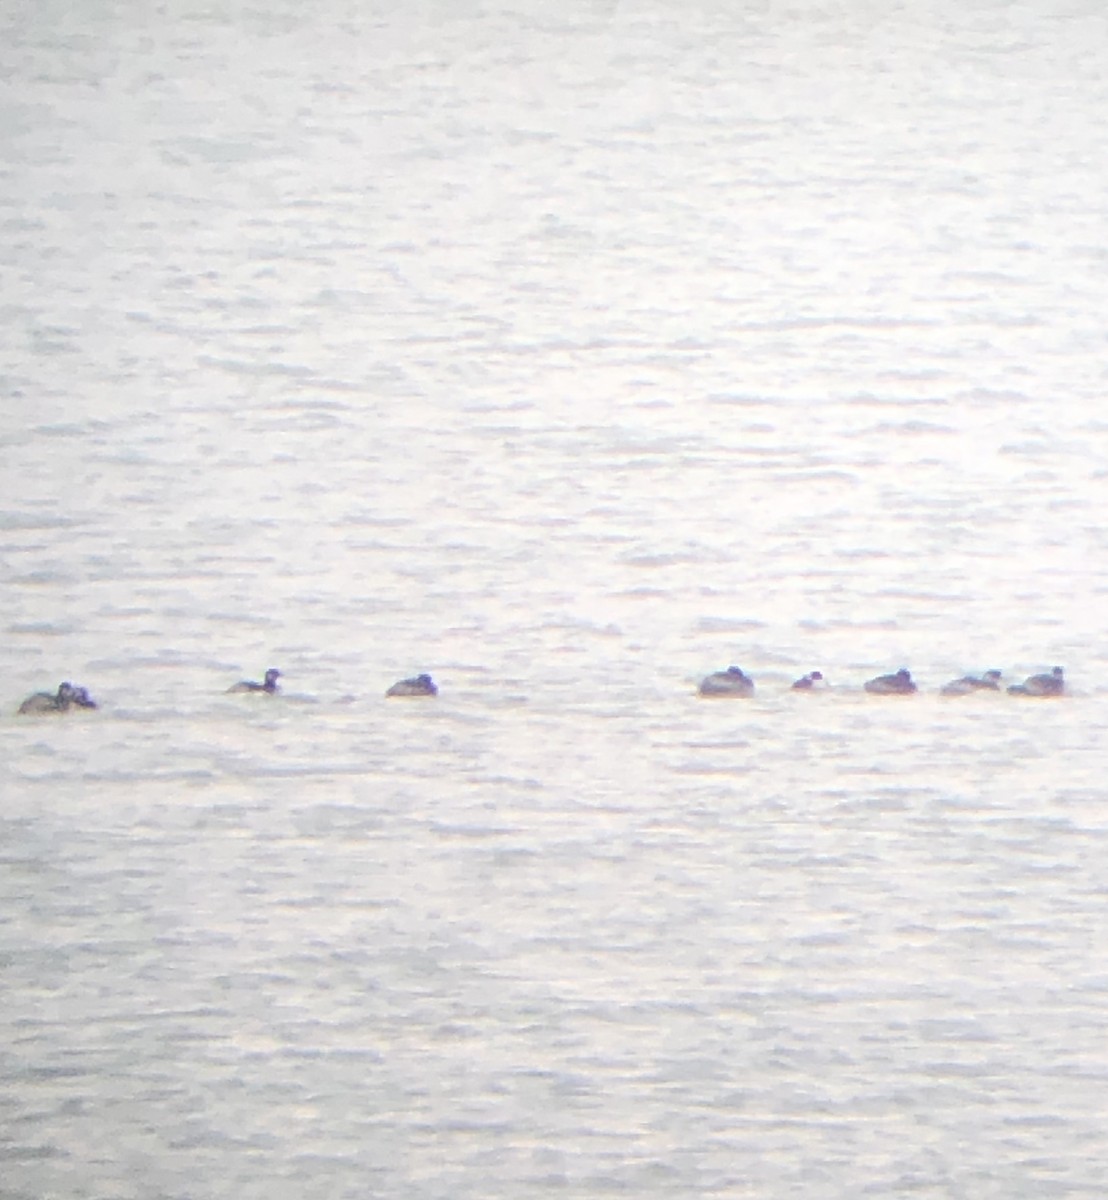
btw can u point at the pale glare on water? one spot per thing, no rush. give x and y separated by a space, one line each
568 354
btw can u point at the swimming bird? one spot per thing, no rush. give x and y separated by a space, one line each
899 684
732 682
419 685
67 696
1053 684
807 683
249 685
989 682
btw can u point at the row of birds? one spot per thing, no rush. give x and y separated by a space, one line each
70 695
735 682
732 682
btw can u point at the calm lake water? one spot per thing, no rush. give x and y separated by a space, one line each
567 357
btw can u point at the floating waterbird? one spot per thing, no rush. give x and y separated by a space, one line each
67 696
419 685
899 684
249 685
732 682
989 682
1053 684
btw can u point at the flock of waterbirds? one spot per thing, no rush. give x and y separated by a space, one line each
733 682
68 696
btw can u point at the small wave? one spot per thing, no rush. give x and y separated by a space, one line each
15 522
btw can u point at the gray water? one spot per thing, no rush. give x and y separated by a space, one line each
567 356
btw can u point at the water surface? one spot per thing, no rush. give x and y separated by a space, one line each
568 357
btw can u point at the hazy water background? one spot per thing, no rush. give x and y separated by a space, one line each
568 356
